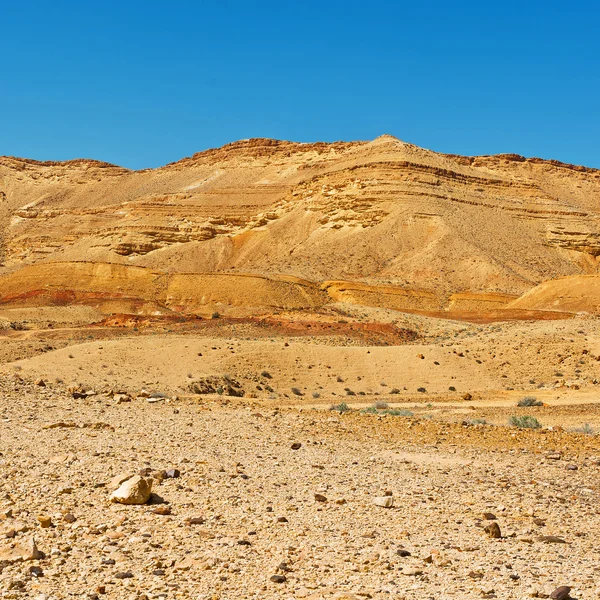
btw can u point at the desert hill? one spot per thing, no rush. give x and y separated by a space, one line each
362 220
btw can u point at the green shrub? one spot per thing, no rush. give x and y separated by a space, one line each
524 422
398 412
381 405
341 408
529 401
585 428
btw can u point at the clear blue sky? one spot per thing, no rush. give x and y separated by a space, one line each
145 83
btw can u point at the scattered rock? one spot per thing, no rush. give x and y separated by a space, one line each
551 539
136 490
561 593
26 550
384 501
44 521
493 530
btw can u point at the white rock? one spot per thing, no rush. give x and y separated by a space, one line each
385 501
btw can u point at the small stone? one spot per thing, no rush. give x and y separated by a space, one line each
69 518
561 593
572 467
384 501
45 521
411 572
554 455
296 446
278 578
320 498
493 530
162 509
136 490
172 473
194 520
158 572
403 553
488 516
551 539
282 520
124 575
36 571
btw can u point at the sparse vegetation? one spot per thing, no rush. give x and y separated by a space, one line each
585 428
381 405
398 412
341 408
524 422
478 422
266 375
316 395
529 401
297 392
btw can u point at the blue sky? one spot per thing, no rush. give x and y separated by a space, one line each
144 83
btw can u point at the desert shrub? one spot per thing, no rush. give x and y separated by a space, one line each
478 422
371 410
349 392
216 315
394 391
421 389
316 395
381 405
398 412
529 401
341 408
296 392
452 388
585 428
524 422
266 375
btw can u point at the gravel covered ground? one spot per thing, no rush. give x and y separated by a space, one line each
250 517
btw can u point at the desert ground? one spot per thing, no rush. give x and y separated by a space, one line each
324 371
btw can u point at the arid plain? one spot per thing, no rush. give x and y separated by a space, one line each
352 370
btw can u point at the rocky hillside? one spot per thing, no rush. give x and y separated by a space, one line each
380 213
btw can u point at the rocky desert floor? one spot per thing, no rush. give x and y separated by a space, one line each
394 494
